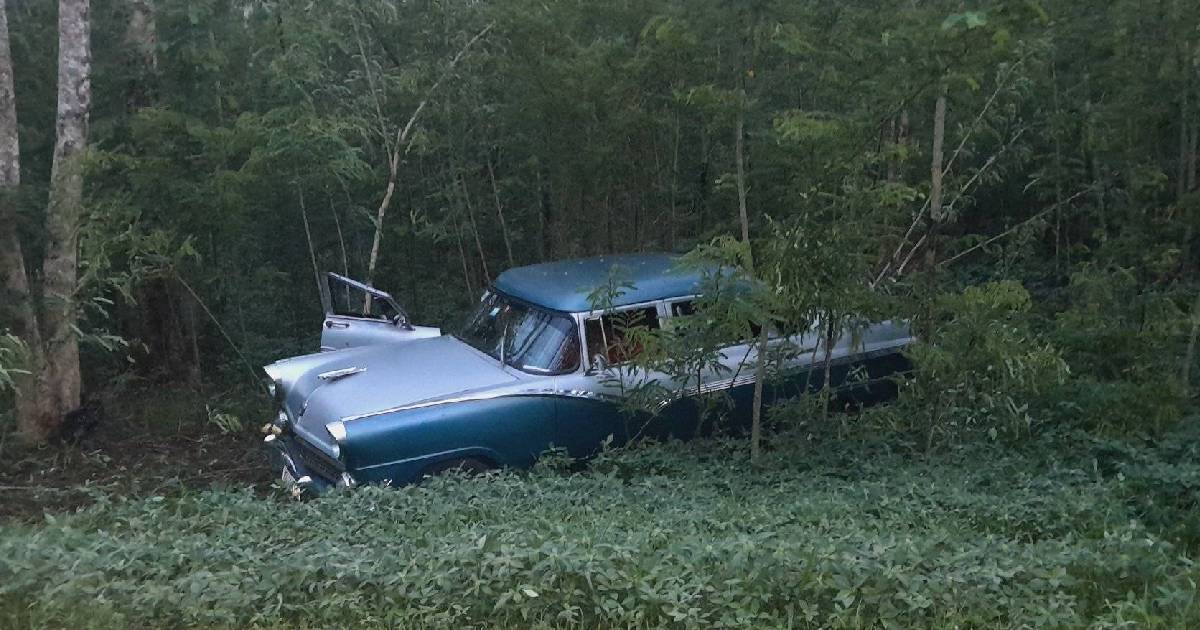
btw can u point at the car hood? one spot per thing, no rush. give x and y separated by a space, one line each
321 388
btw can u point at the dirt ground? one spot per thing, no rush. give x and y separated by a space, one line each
153 441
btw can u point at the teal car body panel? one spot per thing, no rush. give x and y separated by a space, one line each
565 285
390 408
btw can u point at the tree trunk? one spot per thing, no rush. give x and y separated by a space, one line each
702 182
609 237
828 366
1058 179
487 276
1098 183
760 365
739 150
500 213
902 140
549 221
141 49
1181 174
312 252
401 148
892 141
939 134
462 256
195 370
337 224
673 227
16 303
936 217
1191 157
56 368
1189 357
1192 70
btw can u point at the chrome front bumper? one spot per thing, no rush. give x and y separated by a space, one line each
297 475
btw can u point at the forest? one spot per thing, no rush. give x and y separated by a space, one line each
1016 178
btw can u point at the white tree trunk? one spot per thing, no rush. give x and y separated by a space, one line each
15 300
59 378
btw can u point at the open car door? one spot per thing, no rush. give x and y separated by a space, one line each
359 315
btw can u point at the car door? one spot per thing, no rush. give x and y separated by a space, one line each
734 374
608 400
357 315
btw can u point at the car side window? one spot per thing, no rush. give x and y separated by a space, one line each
348 301
608 335
685 308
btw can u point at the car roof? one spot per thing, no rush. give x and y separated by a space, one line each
565 285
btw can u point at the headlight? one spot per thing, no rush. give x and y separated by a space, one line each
271 389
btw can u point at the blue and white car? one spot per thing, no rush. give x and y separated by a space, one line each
534 367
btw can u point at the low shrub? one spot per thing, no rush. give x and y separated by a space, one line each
1068 530
1124 341
981 369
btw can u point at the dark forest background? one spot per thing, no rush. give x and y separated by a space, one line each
235 146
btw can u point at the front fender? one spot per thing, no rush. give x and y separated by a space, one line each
397 447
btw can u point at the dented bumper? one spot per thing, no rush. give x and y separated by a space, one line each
301 469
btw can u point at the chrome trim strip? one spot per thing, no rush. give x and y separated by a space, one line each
333 375
593 314
573 393
706 388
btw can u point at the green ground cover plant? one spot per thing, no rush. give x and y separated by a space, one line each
1068 530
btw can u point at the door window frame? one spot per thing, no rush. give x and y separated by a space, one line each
327 301
661 311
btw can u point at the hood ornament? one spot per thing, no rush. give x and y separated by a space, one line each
334 375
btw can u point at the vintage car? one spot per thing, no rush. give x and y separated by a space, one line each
535 367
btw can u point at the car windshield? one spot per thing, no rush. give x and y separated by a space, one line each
534 340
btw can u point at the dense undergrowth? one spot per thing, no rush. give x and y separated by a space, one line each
1068 530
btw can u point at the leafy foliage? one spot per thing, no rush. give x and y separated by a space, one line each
826 533
260 141
1124 339
983 369
1035 471
12 359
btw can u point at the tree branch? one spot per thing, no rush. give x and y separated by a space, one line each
1015 227
402 143
945 171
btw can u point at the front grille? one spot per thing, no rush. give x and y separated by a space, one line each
317 462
